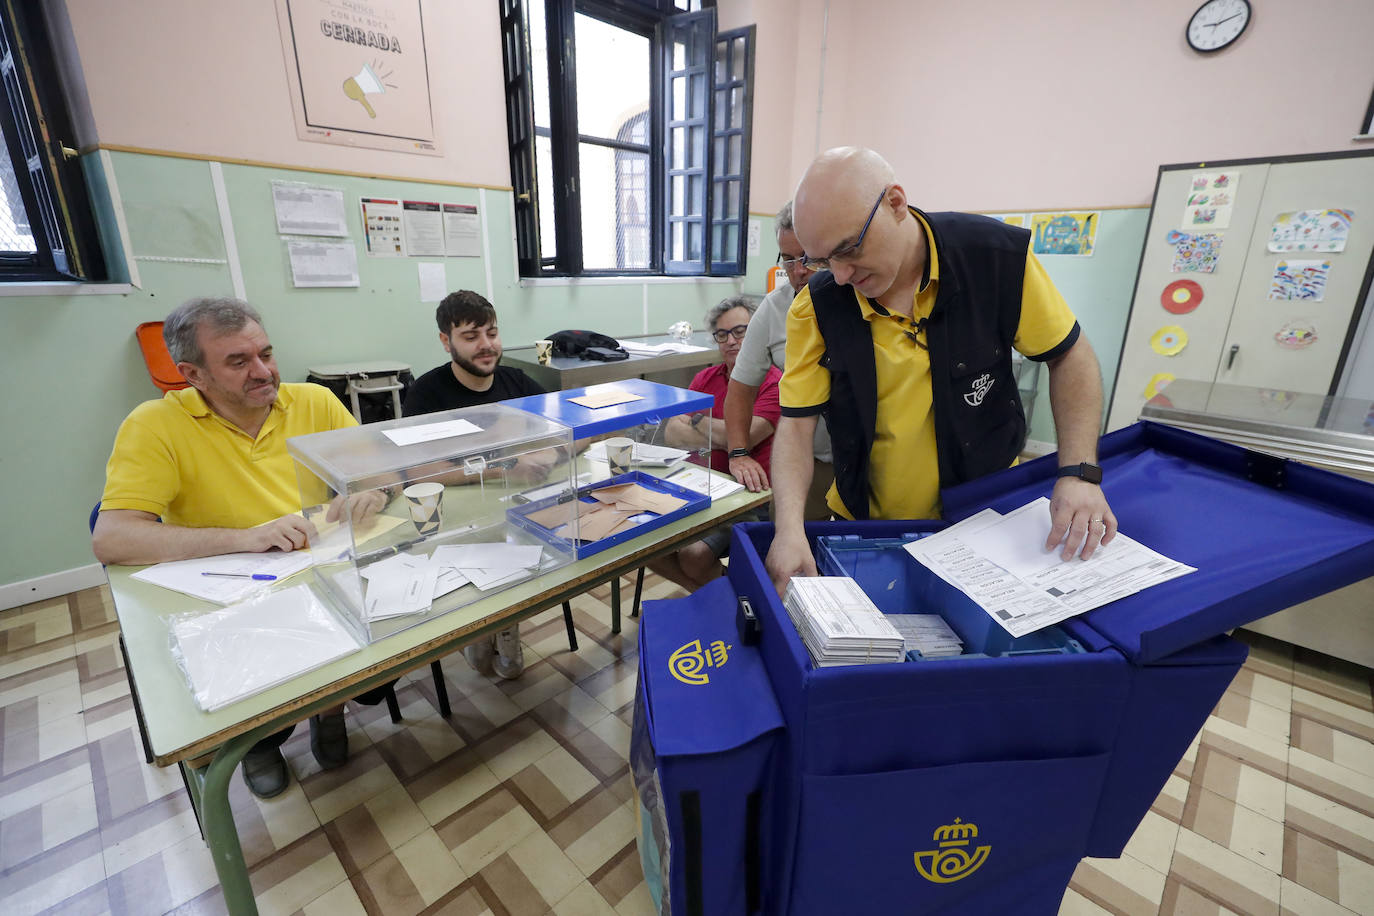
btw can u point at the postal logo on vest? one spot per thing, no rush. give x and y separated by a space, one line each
689 663
953 860
981 386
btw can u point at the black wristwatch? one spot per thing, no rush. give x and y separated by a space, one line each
1089 472
739 453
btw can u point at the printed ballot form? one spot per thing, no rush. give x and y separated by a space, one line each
1001 563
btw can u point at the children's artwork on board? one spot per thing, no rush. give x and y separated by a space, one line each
1295 279
1311 230
1169 340
1011 219
1158 382
1211 198
1195 253
1296 334
1064 233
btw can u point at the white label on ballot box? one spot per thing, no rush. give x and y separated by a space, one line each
428 432
1001 563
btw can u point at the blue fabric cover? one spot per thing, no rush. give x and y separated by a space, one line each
655 402
701 750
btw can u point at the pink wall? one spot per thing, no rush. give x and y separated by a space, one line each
993 104
209 77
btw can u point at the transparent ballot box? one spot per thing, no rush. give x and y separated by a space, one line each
643 460
412 513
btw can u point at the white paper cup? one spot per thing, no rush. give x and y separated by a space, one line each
619 454
424 500
543 351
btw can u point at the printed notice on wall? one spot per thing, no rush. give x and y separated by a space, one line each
316 263
424 228
462 231
304 209
382 227
357 73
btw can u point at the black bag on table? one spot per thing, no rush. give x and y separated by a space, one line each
587 345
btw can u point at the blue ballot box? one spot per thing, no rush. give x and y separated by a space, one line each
974 784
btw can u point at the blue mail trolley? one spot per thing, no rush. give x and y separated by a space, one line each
975 784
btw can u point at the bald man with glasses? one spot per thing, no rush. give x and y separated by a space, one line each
903 339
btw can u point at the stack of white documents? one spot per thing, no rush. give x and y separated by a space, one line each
838 623
644 453
927 634
643 348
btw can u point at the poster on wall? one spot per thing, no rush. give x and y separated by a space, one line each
382 227
1195 252
1310 230
1064 233
358 73
1294 279
1211 198
1011 219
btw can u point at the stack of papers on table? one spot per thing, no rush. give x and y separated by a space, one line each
839 624
927 634
237 651
1000 561
409 583
234 571
705 482
643 453
640 348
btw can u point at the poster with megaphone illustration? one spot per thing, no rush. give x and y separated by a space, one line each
358 73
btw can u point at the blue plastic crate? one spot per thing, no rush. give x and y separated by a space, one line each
898 584
518 515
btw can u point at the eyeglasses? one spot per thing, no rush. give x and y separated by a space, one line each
737 332
849 251
787 263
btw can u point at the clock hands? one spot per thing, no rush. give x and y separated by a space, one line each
1213 25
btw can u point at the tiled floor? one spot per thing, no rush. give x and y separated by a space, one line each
521 803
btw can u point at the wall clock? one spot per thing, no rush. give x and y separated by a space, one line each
1217 24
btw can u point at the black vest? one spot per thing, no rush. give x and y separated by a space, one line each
980 425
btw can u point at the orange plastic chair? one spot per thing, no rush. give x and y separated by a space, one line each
164 373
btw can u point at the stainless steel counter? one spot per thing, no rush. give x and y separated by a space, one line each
564 372
1332 433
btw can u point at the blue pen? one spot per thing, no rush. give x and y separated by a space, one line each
263 577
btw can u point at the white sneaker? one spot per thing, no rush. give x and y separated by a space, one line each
479 654
510 657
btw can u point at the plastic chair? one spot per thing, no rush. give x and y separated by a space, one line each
164 373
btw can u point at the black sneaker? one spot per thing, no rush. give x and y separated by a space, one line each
265 772
329 740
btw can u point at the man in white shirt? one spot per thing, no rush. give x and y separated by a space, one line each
765 345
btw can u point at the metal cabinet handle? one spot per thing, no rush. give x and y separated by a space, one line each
1235 348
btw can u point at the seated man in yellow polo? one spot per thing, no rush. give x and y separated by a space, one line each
205 471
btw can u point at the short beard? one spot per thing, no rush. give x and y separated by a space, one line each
472 367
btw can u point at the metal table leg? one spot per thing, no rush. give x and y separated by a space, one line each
615 605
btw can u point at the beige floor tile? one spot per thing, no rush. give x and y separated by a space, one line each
1240 883
121 854
1296 900
486 830
1075 904
1355 790
430 866
289 816
36 792
511 760
340 900
1144 886
583 900
1317 815
367 784
551 872
318 872
567 775
55 888
1336 713
637 902
457 792
1356 883
1153 842
190 869
594 848
615 733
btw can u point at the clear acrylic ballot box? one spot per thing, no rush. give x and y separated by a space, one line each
412 513
642 463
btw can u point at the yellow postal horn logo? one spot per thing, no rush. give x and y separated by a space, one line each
953 860
689 663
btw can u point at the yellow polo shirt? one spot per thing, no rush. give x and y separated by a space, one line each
903 472
178 459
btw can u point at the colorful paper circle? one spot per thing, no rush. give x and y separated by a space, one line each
1169 340
1181 296
1296 335
1157 383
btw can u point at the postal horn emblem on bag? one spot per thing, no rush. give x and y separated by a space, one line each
689 663
953 860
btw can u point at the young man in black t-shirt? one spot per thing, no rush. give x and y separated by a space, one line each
468 331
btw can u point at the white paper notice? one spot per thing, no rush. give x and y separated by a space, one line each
424 228
433 281
382 227
409 435
305 210
707 483
1001 563
315 263
462 229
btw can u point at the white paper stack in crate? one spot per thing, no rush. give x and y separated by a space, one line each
838 623
927 634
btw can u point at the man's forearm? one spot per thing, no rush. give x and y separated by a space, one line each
739 412
137 541
1076 402
792 467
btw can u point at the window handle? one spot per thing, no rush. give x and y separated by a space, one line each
523 197
67 151
1235 348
